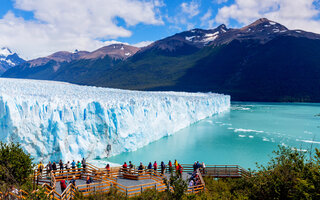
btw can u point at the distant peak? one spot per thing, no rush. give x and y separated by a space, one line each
260 21
222 26
265 23
5 51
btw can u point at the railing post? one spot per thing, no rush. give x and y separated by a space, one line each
141 189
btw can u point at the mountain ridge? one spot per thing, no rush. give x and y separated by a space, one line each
258 62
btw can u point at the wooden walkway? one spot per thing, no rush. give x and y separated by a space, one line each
129 182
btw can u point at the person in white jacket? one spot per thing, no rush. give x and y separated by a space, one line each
203 168
68 166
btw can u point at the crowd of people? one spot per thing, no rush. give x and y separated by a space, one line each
163 167
62 166
78 166
68 166
169 168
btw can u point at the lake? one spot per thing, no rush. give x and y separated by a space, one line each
247 134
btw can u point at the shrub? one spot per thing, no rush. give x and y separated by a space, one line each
15 165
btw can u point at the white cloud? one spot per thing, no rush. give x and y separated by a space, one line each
109 42
295 14
142 44
220 1
207 20
72 24
191 8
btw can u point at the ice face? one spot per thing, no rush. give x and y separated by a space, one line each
55 120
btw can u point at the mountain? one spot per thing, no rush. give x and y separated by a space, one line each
64 65
264 61
8 59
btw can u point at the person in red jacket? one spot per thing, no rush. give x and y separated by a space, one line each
155 166
180 169
63 185
124 167
170 166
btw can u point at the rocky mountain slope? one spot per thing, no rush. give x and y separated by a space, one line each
263 61
52 66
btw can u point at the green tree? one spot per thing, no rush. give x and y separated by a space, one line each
15 165
178 185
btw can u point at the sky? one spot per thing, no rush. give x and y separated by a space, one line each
35 28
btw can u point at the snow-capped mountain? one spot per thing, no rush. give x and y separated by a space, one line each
8 59
263 61
191 41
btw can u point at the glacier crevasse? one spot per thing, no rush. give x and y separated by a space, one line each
56 120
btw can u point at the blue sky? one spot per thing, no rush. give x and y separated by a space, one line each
36 28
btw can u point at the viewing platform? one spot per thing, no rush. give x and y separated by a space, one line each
130 182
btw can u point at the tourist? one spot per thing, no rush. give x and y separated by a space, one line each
68 166
124 167
191 183
198 165
130 166
79 166
149 166
198 182
14 190
108 168
54 167
63 185
140 168
177 168
203 168
49 168
176 164
155 166
195 166
88 180
163 167
84 164
73 165
61 166
170 166
40 168
180 169
73 181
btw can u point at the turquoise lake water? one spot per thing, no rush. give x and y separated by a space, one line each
247 134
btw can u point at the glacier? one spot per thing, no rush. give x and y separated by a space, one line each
57 120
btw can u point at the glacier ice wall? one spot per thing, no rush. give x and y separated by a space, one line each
55 120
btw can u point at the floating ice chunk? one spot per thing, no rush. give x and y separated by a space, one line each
246 130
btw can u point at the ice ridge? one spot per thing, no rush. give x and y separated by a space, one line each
55 120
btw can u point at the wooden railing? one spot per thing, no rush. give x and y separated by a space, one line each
197 188
100 187
225 171
10 195
69 192
104 180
